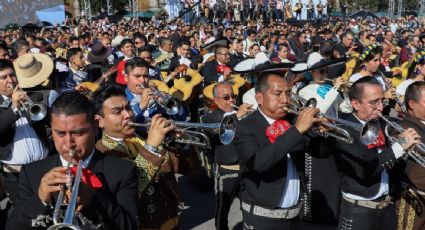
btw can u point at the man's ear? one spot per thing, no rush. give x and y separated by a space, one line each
99 121
355 104
259 98
125 76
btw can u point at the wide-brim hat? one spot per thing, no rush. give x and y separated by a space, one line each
32 69
216 42
315 61
260 63
98 53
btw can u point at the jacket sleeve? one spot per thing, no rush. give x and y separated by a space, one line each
28 206
7 118
261 159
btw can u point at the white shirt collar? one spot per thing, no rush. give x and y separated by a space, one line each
361 121
115 138
5 97
85 162
269 120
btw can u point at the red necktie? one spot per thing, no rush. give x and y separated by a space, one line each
222 68
88 178
276 129
379 142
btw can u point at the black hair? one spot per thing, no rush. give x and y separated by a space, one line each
73 103
262 84
357 89
143 49
4 64
71 52
135 62
250 31
413 92
125 41
107 91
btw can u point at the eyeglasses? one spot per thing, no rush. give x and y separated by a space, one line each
227 97
377 102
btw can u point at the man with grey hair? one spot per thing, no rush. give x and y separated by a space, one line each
226 167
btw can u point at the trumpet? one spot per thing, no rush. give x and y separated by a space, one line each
68 220
416 152
168 103
345 88
368 132
37 111
226 130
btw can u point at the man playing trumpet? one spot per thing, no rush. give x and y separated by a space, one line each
140 94
106 199
157 186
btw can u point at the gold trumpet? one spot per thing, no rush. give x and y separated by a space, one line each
368 132
192 133
68 220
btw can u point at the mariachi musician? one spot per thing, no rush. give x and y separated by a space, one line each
364 164
217 69
310 11
288 10
320 8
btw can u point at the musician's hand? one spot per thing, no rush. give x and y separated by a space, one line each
146 96
17 96
408 138
243 110
397 72
159 127
80 88
52 182
339 81
306 119
227 73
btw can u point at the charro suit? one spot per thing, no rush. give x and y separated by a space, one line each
209 72
264 165
112 207
362 171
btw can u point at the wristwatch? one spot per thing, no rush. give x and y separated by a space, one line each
151 148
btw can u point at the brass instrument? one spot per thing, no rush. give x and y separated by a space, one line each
37 111
68 221
288 11
345 89
368 132
226 130
416 152
168 103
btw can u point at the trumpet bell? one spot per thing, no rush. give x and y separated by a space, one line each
227 130
37 111
370 131
172 106
63 226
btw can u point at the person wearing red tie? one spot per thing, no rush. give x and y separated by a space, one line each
365 202
107 196
215 70
270 147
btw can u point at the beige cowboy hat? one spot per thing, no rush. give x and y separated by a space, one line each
32 69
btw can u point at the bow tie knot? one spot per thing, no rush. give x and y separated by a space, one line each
222 68
88 178
276 129
379 142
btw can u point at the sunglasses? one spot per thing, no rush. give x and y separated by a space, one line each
227 97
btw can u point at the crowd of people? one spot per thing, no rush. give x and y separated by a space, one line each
315 123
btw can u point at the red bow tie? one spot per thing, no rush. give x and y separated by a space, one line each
222 68
88 178
276 129
379 142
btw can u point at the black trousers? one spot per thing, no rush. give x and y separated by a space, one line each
354 217
253 222
227 184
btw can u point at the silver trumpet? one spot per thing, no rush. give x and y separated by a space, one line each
68 220
168 103
193 133
36 110
368 132
416 152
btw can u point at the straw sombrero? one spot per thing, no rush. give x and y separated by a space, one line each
32 69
